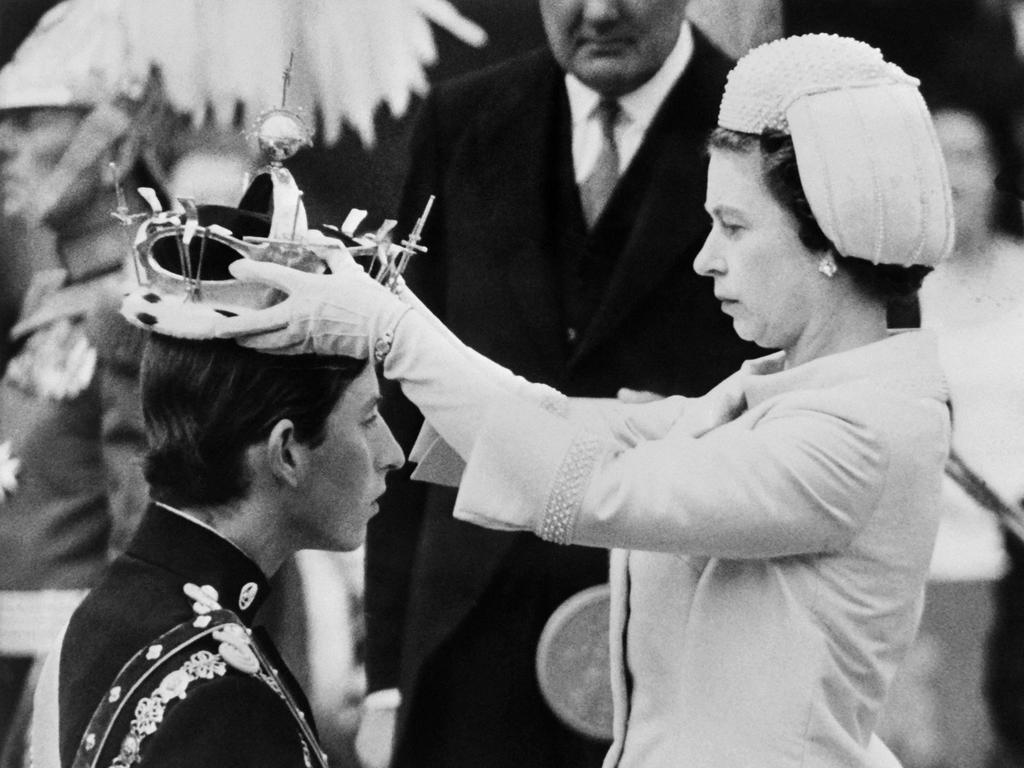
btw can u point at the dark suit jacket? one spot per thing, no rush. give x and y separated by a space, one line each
511 268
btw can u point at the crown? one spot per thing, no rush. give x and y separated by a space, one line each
182 256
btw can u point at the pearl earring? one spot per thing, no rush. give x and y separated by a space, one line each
827 265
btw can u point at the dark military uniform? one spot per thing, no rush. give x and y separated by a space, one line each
148 673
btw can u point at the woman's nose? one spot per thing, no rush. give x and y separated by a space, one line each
707 262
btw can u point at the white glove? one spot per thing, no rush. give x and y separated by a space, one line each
341 314
350 314
375 737
497 374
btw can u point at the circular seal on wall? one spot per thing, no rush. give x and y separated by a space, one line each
573 663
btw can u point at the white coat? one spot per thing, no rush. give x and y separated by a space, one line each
772 570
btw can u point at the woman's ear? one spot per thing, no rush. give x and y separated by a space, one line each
287 458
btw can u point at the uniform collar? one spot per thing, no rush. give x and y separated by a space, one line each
199 555
906 361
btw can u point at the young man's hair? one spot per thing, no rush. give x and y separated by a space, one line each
206 402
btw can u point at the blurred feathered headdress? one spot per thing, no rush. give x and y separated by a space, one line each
217 58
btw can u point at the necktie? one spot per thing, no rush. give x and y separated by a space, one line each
597 187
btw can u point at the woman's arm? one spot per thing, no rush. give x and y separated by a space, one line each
804 478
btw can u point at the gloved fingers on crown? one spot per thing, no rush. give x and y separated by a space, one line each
279 343
259 321
339 259
276 275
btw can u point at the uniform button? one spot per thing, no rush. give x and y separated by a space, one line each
571 334
247 595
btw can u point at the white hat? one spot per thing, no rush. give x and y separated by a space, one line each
869 161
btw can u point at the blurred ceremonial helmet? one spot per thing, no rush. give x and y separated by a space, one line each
129 65
80 57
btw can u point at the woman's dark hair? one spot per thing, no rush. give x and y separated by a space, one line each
782 177
206 402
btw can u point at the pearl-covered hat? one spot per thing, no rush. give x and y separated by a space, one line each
869 161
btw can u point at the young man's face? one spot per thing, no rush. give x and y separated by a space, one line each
347 471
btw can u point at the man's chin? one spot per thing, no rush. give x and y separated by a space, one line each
607 72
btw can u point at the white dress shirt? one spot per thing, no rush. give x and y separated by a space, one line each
638 110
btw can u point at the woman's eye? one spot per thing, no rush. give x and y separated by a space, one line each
730 229
371 419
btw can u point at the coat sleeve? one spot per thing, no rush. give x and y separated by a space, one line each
805 477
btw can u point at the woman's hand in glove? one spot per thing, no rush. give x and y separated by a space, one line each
340 314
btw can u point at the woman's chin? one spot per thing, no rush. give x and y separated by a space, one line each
743 330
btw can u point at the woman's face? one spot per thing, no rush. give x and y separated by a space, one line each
766 279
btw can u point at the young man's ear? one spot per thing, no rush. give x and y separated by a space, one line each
287 458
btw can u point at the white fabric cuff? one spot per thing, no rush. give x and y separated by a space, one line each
436 461
529 471
386 698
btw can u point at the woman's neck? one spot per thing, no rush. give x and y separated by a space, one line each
848 321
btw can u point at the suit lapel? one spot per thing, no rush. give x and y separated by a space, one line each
510 148
656 212
519 233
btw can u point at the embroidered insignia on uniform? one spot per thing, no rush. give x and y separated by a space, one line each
129 752
149 712
247 595
205 665
239 651
235 648
173 685
239 657
205 597
9 468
